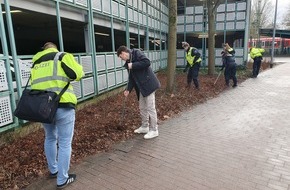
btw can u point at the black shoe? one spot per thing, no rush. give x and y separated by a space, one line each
71 178
234 86
51 176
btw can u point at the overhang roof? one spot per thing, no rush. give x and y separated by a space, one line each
278 33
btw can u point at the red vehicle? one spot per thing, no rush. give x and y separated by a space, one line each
281 45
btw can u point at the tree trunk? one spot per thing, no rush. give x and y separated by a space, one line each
171 58
211 38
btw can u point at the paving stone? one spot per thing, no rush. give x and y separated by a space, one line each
238 140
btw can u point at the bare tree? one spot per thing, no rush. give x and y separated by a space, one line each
171 65
286 19
212 7
262 15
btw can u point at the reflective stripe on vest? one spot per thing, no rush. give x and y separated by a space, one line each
48 81
54 74
190 58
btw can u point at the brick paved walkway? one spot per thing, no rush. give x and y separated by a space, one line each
237 141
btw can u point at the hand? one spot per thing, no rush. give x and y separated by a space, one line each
129 65
126 93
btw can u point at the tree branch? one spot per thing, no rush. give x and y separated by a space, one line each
217 3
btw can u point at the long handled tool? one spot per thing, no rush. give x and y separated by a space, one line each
124 102
217 77
123 111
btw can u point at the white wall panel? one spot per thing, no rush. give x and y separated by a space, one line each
180 28
189 10
97 5
180 19
102 82
189 19
231 7
88 86
77 88
189 28
101 62
198 18
230 16
122 11
111 79
221 8
198 27
119 77
115 8
241 15
230 25
5 111
198 10
86 62
241 25
3 79
110 61
220 17
220 26
242 6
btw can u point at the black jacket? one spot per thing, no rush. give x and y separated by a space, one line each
194 53
228 61
141 76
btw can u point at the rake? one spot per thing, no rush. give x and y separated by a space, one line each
124 103
217 77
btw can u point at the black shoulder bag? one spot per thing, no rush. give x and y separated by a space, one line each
38 105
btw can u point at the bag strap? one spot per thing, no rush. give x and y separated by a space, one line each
62 91
58 57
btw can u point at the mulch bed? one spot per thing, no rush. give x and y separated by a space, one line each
101 125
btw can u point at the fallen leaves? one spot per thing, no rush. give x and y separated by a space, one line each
98 127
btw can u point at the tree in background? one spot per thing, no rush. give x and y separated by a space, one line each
171 64
212 7
211 36
286 19
262 15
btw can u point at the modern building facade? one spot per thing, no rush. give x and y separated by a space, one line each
93 29
231 23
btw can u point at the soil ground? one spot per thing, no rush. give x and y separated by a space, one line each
101 125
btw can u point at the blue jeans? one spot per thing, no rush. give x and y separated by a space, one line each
57 144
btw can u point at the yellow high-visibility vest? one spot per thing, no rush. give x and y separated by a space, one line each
46 75
190 58
256 52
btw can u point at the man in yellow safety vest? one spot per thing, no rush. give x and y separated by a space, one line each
52 71
193 64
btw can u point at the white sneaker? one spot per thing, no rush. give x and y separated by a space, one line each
142 130
151 134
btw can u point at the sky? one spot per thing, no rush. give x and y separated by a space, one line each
282 8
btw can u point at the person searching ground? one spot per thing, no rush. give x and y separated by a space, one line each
229 64
257 55
145 83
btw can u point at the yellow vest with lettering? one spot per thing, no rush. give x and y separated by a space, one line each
51 77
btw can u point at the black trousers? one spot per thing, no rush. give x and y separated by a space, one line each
256 66
230 73
192 75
